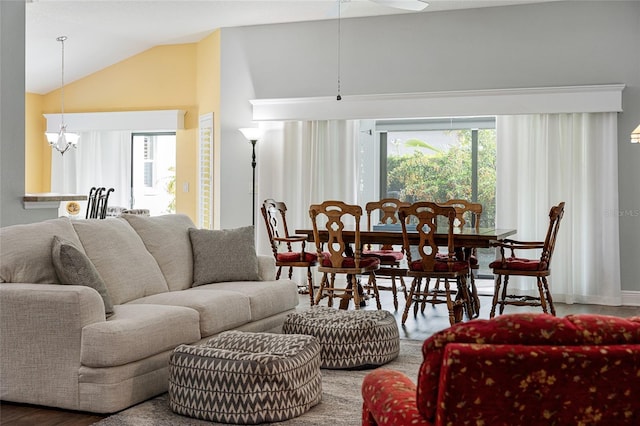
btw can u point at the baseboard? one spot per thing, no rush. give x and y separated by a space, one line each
631 298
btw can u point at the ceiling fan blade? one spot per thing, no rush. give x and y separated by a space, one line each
413 5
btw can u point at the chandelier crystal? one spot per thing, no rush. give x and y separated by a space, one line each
62 140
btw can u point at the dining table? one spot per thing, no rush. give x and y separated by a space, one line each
464 240
392 234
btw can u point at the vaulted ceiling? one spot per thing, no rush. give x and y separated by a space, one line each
103 32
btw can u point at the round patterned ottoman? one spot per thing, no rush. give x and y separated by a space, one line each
246 378
348 339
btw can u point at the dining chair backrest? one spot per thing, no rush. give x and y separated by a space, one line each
92 205
98 201
275 220
555 216
388 208
334 216
388 214
467 213
422 217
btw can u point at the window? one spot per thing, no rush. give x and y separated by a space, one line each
153 172
148 158
440 159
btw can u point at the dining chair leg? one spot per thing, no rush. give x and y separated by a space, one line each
323 282
543 302
394 290
423 302
421 299
409 301
463 296
355 294
418 296
496 292
452 318
504 293
436 289
310 284
376 293
475 299
330 293
278 273
404 286
548 294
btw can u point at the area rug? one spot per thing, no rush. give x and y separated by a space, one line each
341 399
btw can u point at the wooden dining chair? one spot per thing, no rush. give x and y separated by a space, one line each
387 209
98 202
421 218
338 257
519 266
283 244
468 214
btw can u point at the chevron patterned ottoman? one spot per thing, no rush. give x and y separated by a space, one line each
246 378
348 339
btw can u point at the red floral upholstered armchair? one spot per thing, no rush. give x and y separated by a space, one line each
518 369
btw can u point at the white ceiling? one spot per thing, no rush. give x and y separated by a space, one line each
103 32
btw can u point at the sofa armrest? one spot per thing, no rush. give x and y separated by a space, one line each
266 267
41 330
389 400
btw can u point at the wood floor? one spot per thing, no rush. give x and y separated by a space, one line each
419 328
436 319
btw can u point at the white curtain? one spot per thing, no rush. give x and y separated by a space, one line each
101 159
307 162
547 158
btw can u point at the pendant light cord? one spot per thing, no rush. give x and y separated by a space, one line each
62 39
339 97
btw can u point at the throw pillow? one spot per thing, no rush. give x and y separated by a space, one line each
129 271
226 255
75 268
167 239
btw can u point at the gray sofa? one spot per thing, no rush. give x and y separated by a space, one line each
83 348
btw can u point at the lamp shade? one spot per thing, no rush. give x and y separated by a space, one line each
251 133
635 135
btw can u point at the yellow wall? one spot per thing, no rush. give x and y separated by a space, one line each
163 77
209 99
37 152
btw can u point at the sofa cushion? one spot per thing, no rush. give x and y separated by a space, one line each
519 264
167 239
136 332
119 255
266 298
494 384
223 255
74 267
218 309
517 329
266 267
25 251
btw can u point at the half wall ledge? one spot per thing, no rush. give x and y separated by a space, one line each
537 100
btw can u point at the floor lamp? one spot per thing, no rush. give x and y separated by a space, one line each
253 134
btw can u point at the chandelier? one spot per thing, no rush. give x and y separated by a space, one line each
62 140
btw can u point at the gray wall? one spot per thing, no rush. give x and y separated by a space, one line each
12 129
549 44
